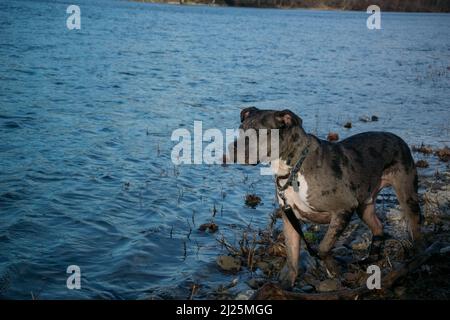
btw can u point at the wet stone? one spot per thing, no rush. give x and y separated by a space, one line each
228 263
255 283
328 285
307 288
245 295
359 245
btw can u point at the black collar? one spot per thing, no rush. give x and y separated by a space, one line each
295 169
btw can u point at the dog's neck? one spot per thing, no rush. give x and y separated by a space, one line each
292 147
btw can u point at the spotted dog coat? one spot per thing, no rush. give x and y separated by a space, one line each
335 179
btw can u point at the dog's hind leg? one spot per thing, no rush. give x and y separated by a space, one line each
368 215
337 225
405 186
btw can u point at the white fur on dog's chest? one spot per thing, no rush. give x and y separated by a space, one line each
299 198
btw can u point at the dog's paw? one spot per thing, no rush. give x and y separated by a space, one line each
287 277
375 250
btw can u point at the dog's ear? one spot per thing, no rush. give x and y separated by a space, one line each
245 113
287 119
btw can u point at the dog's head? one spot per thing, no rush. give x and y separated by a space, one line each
256 130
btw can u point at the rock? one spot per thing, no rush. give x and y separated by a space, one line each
393 214
328 285
443 154
310 279
439 199
422 149
245 295
233 283
359 245
364 119
394 249
351 276
333 136
228 263
422 164
340 251
307 288
252 200
210 227
445 250
255 283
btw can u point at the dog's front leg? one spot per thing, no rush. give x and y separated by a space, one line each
292 242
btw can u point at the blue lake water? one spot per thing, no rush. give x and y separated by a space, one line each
86 118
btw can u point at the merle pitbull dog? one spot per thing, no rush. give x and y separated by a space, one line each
335 180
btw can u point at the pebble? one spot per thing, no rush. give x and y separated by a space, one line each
307 288
328 285
340 251
255 283
394 214
364 119
351 277
245 295
229 263
441 198
359 245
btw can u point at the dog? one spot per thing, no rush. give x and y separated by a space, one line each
334 180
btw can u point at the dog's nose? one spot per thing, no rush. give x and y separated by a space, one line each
224 160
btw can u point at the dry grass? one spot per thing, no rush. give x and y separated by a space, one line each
422 149
252 200
422 164
443 154
209 227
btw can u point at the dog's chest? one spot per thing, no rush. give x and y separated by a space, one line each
299 196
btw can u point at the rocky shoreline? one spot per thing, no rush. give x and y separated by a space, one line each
417 6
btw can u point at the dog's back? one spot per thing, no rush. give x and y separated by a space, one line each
382 159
